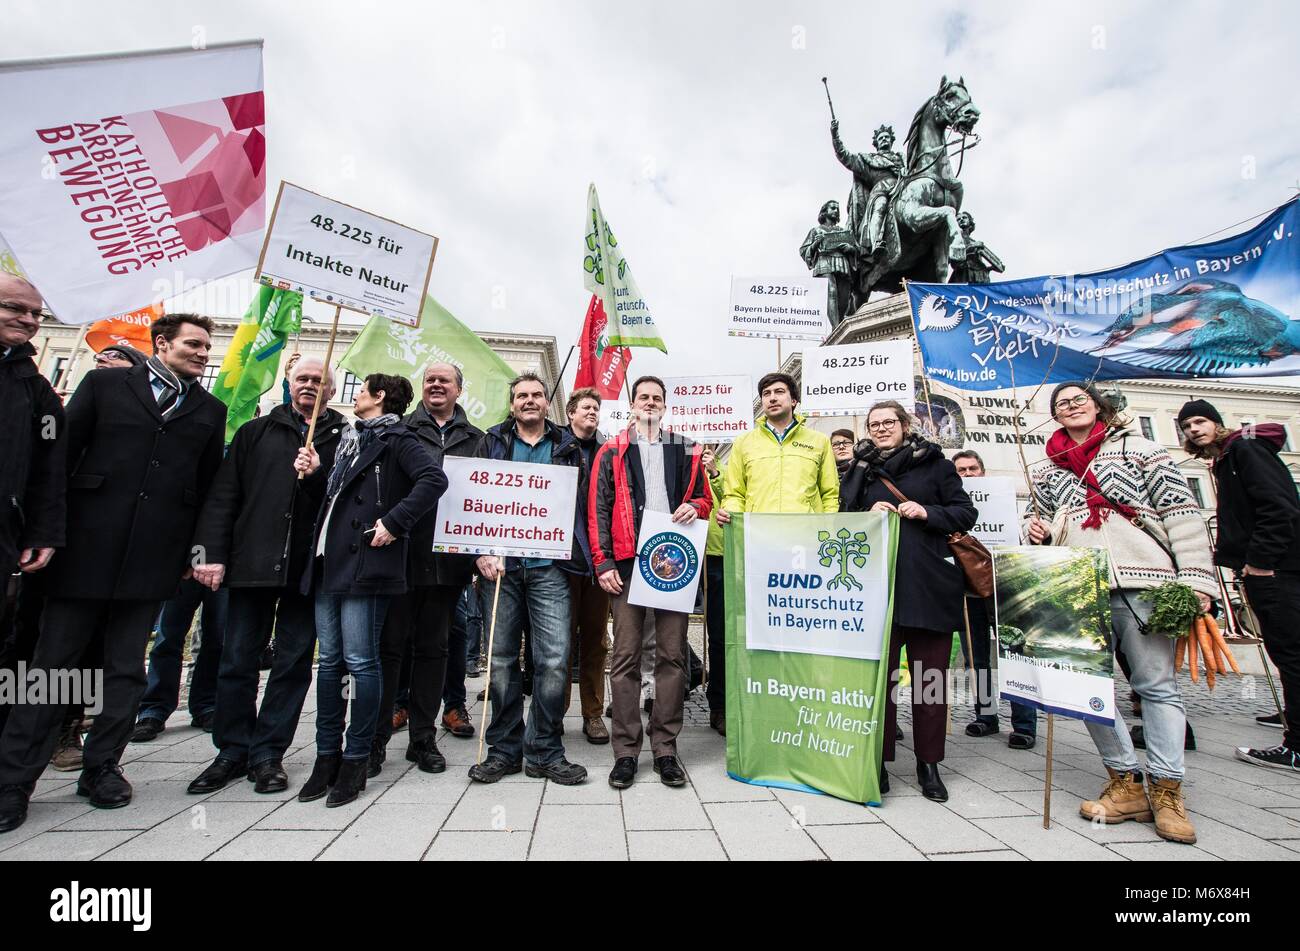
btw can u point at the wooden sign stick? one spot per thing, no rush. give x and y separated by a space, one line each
329 355
487 687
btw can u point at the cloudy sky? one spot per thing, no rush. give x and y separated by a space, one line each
1109 131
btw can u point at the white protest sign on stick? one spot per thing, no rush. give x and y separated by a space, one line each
995 500
848 379
506 508
615 416
668 560
344 256
779 307
709 409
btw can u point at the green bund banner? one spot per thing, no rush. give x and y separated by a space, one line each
809 606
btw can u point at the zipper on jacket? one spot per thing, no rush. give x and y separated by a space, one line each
379 493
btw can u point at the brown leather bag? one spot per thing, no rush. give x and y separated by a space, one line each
975 561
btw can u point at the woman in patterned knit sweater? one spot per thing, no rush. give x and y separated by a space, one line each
1101 486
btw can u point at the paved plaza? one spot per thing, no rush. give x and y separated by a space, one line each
994 811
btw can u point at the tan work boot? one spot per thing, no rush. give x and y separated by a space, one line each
1170 811
1122 799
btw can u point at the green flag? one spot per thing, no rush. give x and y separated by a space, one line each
252 363
610 279
385 346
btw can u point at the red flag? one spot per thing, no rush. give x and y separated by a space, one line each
600 366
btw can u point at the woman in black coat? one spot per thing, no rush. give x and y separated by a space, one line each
383 482
928 583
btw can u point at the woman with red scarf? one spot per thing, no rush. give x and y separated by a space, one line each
1102 486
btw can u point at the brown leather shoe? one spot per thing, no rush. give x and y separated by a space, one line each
67 755
718 721
1122 799
457 722
1166 797
594 728
401 719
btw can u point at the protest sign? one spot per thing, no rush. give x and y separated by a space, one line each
848 379
668 560
333 252
809 606
615 416
995 500
506 508
779 307
118 173
707 409
1053 628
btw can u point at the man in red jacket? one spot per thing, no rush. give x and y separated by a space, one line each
643 468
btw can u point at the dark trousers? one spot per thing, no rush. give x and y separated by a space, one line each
625 678
421 618
462 647
927 659
241 731
67 627
22 628
1024 718
716 618
163 690
588 647
1276 602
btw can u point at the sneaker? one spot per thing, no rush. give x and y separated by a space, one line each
492 770
1121 799
1170 811
67 755
457 722
401 719
561 772
1279 757
1273 719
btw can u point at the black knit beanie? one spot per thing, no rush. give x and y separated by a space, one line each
1199 408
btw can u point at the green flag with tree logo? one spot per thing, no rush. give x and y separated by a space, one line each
252 363
610 279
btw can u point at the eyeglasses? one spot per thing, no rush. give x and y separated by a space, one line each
38 312
1073 401
883 426
841 444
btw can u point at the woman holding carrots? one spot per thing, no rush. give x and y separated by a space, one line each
1101 486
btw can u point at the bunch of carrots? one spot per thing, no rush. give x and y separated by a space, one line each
1204 638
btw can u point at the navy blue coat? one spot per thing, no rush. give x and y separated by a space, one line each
393 480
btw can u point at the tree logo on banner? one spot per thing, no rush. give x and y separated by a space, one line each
668 562
594 261
849 548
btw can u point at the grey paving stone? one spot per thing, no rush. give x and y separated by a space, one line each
389 831
1065 811
273 845
970 800
187 838
932 827
452 846
497 807
992 775
650 805
864 843
66 846
1228 842
1249 819
151 803
1161 852
999 856
712 784
292 814
752 831
565 833
41 817
814 810
1028 837
417 787
675 846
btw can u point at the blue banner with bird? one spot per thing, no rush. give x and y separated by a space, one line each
1227 309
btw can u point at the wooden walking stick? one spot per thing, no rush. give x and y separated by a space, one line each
329 355
487 686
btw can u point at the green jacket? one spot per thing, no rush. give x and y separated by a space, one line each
796 475
713 546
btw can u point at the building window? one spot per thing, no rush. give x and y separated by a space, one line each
1148 430
351 383
210 375
60 369
1195 485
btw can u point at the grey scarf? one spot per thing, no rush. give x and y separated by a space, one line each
352 443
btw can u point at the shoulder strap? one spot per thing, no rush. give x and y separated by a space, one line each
893 488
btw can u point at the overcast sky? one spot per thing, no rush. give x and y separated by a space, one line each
1109 131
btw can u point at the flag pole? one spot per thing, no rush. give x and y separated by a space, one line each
560 377
329 355
66 382
487 686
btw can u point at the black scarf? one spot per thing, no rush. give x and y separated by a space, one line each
173 386
352 444
870 462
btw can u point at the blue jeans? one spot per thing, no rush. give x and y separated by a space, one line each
541 596
348 629
162 691
1164 720
460 653
243 732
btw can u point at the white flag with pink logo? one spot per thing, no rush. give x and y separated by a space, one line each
124 177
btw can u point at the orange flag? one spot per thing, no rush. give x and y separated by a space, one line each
131 329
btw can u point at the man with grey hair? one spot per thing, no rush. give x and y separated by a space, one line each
421 619
255 536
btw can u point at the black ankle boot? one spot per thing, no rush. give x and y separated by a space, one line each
323 775
378 753
352 779
884 779
932 786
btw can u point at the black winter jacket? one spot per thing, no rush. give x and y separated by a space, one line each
259 516
1258 510
461 438
33 443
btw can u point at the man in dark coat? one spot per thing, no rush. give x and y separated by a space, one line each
422 617
255 534
1259 539
143 446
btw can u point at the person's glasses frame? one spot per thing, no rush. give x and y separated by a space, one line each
1079 400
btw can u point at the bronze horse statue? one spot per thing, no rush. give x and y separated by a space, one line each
921 236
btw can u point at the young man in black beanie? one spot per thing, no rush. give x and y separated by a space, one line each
1259 539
